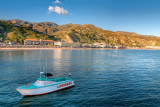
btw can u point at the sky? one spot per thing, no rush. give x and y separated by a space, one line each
140 16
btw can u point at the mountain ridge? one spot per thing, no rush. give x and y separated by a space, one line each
86 33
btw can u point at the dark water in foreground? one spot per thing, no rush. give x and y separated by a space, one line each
102 77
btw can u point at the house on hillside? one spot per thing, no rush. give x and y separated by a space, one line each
153 47
58 43
67 44
99 45
116 45
38 42
11 43
86 45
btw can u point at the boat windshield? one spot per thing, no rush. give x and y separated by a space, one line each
55 79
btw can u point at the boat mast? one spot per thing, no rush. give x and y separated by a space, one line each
46 67
40 67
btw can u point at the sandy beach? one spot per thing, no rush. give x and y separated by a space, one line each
73 48
48 48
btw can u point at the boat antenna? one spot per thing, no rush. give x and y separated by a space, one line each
46 67
40 64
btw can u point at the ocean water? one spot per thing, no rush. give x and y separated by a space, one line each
127 78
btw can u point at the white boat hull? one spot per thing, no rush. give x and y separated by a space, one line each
46 89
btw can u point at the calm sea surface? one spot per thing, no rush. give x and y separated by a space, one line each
102 77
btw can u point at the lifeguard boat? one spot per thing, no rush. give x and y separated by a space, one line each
45 85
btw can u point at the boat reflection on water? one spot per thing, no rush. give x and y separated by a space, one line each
27 101
36 100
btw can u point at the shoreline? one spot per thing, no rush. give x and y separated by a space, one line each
76 48
49 48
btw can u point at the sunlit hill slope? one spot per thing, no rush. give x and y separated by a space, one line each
19 30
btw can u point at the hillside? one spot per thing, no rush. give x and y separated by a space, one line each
44 27
86 33
18 33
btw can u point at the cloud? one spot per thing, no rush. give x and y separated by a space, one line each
56 9
56 2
